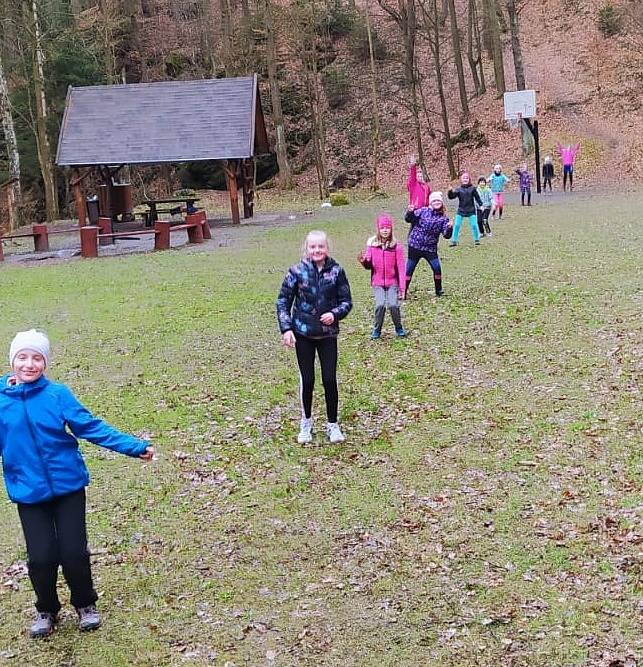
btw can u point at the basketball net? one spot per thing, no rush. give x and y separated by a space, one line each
514 122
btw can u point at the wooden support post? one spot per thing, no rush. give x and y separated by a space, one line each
248 179
89 241
105 226
231 180
162 236
40 238
207 232
195 234
1 249
81 208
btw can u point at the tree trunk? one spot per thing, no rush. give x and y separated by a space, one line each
516 48
226 37
473 65
478 42
12 150
285 172
434 41
496 45
42 140
374 104
457 52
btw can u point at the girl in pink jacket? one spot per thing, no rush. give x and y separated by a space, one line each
568 157
384 256
419 189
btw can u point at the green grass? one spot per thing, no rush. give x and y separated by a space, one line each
486 509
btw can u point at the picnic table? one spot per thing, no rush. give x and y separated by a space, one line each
152 215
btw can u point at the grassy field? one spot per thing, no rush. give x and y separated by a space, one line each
486 509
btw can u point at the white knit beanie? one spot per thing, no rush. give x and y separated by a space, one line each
30 340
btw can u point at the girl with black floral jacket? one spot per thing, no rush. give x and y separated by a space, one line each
314 296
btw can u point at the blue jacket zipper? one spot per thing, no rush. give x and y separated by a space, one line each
36 444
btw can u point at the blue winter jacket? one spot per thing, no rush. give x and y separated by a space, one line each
309 293
40 456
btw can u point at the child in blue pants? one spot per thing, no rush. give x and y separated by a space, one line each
467 197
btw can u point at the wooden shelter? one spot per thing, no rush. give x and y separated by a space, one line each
108 127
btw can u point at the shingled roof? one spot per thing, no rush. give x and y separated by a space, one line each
169 121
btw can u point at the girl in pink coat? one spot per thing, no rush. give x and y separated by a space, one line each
568 157
384 256
419 189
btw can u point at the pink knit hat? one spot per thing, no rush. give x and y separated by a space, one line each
384 221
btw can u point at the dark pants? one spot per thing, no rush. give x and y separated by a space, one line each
432 258
483 220
326 348
546 180
568 172
523 192
56 534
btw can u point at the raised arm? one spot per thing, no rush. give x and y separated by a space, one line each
84 425
412 180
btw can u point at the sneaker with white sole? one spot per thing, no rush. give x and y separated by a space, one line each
305 431
43 625
334 433
88 618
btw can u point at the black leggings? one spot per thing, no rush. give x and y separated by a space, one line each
326 348
56 534
546 180
483 220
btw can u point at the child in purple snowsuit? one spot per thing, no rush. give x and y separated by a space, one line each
525 184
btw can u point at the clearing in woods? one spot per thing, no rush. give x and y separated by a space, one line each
485 510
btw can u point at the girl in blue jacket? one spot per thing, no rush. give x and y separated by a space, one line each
314 296
45 475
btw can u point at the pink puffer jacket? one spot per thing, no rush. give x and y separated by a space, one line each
418 192
567 154
387 266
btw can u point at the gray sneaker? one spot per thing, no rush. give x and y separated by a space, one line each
43 626
88 618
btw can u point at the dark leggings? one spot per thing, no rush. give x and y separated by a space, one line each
326 348
546 180
56 534
483 220
568 170
526 191
432 258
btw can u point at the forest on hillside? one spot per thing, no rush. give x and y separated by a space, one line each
345 85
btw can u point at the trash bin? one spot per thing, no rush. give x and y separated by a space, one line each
92 209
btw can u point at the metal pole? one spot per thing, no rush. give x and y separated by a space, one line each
536 134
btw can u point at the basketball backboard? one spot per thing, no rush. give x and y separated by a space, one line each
520 104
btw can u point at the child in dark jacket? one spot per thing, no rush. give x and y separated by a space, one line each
468 199
548 173
525 184
384 256
314 296
46 476
427 224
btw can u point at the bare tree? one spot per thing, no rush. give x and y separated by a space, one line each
374 103
457 53
285 172
516 48
432 27
30 12
474 49
404 15
491 21
12 146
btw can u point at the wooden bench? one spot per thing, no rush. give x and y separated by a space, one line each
196 226
40 234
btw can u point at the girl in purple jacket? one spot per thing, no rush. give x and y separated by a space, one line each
525 184
384 256
427 224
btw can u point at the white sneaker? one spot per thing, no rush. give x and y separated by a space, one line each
305 431
334 433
